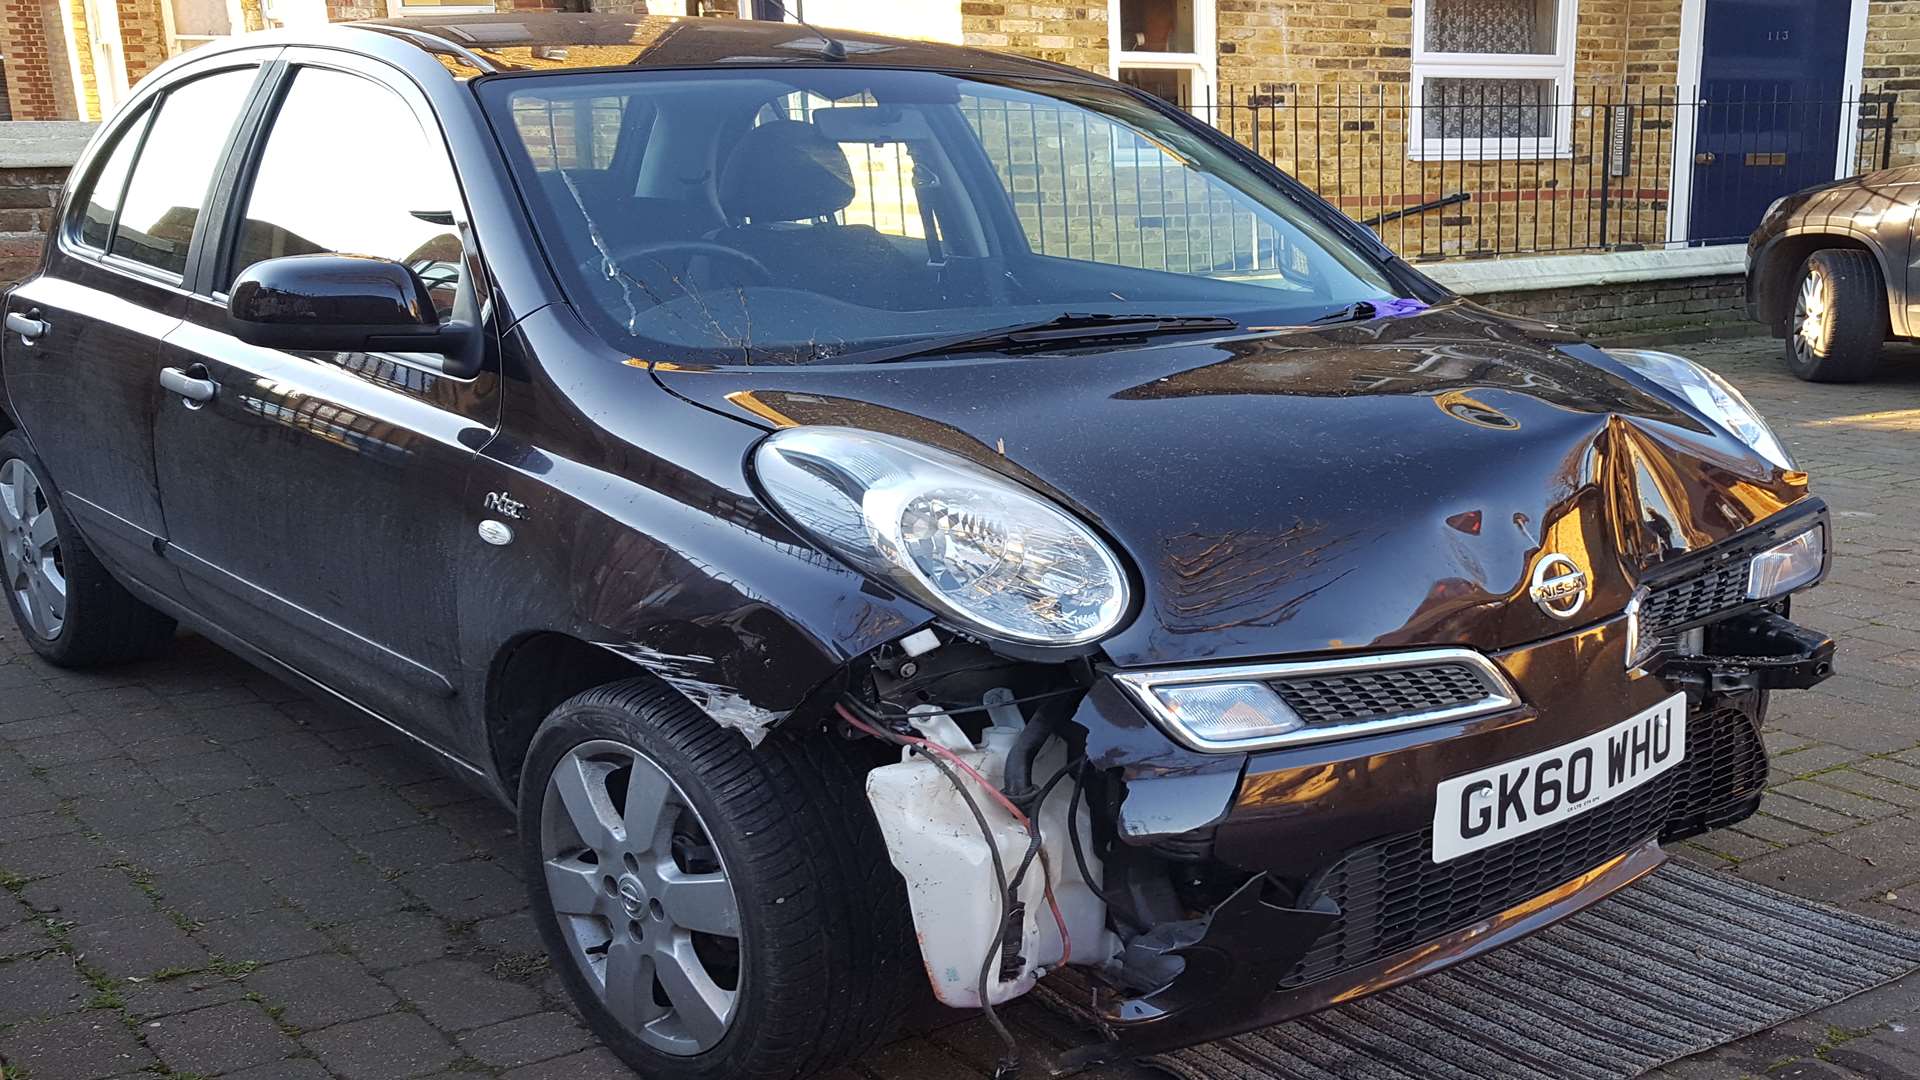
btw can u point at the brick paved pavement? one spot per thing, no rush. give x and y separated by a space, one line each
206 873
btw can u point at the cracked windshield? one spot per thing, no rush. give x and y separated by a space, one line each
761 216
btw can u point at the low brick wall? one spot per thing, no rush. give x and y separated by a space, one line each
1624 298
34 159
27 198
1639 313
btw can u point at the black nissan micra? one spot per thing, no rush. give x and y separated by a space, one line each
891 516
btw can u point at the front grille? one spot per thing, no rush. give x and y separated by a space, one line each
1393 896
1694 599
1382 694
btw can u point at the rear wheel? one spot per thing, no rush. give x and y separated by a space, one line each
716 910
68 608
1839 319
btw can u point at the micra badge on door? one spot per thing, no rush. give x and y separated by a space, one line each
506 506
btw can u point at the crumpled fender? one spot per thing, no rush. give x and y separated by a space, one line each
673 563
1169 789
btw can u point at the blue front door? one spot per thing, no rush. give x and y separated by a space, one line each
1772 84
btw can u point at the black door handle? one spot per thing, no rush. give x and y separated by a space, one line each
192 384
29 326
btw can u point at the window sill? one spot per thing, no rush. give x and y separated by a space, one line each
43 144
418 11
1496 151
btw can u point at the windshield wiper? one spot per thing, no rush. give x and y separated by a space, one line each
1072 328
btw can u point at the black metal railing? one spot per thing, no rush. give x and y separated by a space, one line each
1484 168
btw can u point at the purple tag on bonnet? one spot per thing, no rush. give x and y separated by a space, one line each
1397 307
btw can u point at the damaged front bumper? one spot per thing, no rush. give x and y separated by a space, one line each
1175 1017
1761 651
1341 896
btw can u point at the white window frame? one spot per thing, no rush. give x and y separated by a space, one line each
1557 67
178 43
1202 65
109 59
397 9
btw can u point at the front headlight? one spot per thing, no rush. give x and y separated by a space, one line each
1712 395
1788 566
968 543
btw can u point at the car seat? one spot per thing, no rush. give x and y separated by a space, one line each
780 188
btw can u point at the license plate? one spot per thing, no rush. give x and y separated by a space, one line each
1494 805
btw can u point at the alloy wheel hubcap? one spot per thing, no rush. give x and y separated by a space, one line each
30 550
642 898
1810 318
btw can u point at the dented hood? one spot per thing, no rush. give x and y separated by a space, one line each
1387 483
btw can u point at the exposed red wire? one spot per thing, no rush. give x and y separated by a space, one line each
928 746
1066 939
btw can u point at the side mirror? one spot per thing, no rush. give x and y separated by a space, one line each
346 303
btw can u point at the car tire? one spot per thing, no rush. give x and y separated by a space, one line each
1839 317
69 609
823 961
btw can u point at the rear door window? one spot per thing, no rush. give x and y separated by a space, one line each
348 170
177 164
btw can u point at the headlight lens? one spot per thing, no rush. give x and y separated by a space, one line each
968 543
1785 567
1712 395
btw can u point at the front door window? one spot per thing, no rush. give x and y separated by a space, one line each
348 170
176 168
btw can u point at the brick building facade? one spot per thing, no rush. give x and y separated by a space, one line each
1482 127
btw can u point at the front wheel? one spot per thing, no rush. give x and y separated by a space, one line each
1839 317
716 910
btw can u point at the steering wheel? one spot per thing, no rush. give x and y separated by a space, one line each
756 271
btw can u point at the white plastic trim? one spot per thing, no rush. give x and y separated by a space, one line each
43 144
1573 271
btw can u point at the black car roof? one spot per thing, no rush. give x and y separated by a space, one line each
558 40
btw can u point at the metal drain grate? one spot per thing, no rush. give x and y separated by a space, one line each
1683 962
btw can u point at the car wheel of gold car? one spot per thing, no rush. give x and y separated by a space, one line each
1839 318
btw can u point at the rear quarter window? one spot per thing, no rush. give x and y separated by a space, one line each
102 199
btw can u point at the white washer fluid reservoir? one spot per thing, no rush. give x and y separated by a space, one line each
935 842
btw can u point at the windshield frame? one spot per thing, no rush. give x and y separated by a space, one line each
492 94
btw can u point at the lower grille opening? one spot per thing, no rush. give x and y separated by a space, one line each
1393 896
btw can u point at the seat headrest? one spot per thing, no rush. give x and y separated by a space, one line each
785 171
